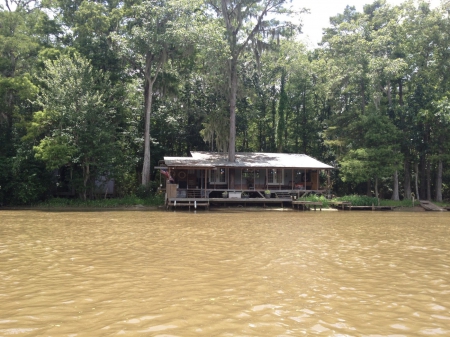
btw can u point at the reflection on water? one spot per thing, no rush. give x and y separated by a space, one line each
220 273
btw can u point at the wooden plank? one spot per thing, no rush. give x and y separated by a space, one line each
342 204
373 208
429 206
307 204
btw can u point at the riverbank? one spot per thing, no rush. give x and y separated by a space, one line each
156 202
139 207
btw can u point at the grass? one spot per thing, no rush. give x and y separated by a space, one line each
442 204
361 200
316 198
158 200
127 201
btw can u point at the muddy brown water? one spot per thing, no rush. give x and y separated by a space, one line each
224 273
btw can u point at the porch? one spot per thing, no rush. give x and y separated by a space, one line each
198 197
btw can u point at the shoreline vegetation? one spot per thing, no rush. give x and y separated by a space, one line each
94 94
157 201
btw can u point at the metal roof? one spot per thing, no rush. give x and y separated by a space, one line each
246 160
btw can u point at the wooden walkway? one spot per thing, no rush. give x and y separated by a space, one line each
373 208
306 204
250 201
429 206
348 205
342 204
187 202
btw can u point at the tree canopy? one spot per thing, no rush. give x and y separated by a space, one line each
89 89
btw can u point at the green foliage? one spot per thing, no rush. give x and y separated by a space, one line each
79 120
147 191
372 100
359 200
55 152
317 198
126 202
23 180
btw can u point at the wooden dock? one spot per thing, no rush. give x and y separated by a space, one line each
373 208
341 204
250 201
187 202
429 206
306 205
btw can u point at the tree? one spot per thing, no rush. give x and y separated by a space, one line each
156 32
245 22
77 126
374 156
22 36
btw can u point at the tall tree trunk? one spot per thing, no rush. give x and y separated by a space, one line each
304 120
149 81
428 179
86 176
274 124
423 177
233 95
407 179
416 176
148 108
369 190
395 195
376 187
297 128
439 181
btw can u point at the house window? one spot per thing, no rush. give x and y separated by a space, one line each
298 175
275 176
250 173
218 176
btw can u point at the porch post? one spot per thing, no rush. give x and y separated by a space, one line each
305 180
254 180
241 178
206 182
317 180
292 179
328 182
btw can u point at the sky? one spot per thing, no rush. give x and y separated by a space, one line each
322 10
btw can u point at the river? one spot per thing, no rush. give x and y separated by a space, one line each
224 273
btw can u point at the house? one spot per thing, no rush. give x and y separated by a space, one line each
206 175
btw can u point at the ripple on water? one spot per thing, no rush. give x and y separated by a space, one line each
224 274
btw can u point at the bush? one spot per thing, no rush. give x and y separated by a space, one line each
359 200
317 198
147 191
362 200
155 200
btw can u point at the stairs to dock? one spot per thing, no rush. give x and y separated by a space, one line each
282 195
429 206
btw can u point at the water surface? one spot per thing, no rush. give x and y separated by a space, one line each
219 273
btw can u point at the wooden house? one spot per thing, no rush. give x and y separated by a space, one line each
207 175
